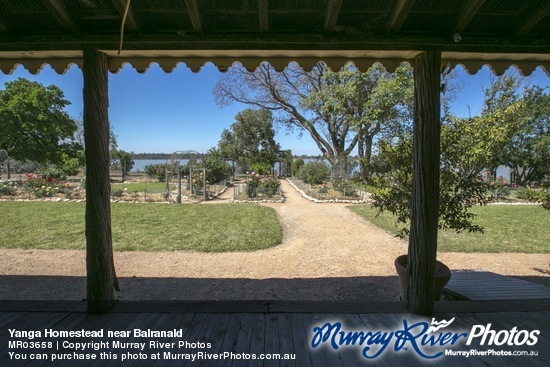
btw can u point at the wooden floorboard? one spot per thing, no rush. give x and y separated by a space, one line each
300 340
287 344
230 337
271 333
362 322
271 339
321 357
216 332
258 336
487 286
243 339
405 359
191 336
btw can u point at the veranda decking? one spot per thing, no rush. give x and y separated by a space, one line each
484 285
270 327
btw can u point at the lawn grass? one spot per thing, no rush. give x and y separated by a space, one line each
508 228
142 227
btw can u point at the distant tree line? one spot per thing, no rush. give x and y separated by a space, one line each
162 156
165 156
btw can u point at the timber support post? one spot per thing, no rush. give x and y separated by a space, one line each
101 278
419 296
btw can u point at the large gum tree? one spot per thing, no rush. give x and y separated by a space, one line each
338 109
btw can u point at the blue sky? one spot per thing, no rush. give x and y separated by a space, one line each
166 112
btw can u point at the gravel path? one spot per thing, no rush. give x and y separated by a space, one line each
328 253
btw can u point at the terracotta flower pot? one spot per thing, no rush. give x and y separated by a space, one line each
442 276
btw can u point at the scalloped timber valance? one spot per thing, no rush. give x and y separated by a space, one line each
60 61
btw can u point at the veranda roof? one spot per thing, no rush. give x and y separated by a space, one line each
473 33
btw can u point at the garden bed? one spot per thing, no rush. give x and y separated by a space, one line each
327 194
36 187
258 189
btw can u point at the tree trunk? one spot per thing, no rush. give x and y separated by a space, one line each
361 153
419 296
339 165
367 155
99 250
365 141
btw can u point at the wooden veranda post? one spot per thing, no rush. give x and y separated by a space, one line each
99 248
419 296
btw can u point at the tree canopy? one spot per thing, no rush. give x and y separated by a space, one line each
34 125
374 104
477 142
339 109
250 141
121 160
216 166
528 150
468 146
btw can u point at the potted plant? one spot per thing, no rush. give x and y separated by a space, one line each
442 276
461 185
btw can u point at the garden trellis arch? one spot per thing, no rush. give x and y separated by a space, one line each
87 33
177 156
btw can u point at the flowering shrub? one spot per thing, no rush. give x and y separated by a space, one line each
42 186
252 185
268 187
257 186
73 194
51 172
7 188
499 187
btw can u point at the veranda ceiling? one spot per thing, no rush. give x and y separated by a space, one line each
473 33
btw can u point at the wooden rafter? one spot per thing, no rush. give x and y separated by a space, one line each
57 9
3 27
130 23
469 10
193 11
399 14
263 15
333 9
374 43
534 19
